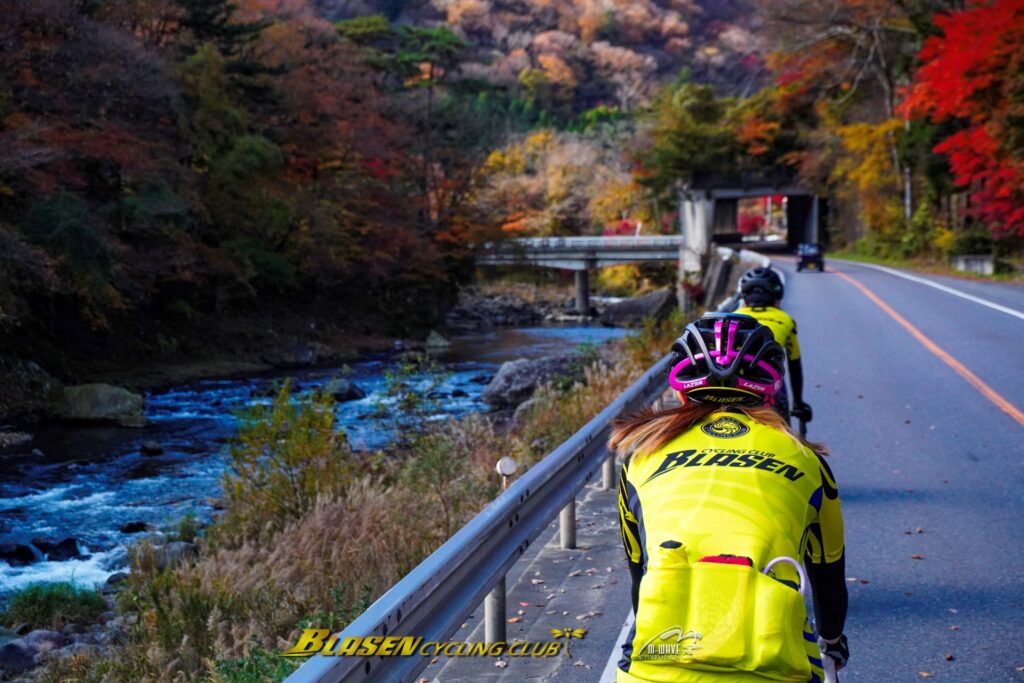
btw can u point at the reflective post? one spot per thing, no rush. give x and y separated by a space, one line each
608 472
494 614
567 526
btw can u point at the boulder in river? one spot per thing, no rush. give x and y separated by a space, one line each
27 388
435 342
100 403
68 549
150 447
19 554
134 527
342 390
518 379
631 312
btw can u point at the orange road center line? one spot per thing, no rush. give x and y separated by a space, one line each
958 367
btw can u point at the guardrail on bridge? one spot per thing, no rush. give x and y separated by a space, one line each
435 598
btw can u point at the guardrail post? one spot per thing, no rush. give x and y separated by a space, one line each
494 614
608 472
567 526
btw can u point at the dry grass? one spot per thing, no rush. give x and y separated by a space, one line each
262 573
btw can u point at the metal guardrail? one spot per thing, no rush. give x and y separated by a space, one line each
606 242
435 598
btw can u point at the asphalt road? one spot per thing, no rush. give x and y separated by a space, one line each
927 466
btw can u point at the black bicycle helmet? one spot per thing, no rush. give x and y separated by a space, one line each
729 359
761 287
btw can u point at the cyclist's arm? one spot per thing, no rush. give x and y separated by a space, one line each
826 560
630 528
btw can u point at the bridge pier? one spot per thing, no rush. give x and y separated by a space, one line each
583 292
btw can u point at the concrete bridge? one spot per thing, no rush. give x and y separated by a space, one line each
579 254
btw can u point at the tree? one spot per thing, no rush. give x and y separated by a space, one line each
972 75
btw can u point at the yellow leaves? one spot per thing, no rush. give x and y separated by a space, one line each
539 142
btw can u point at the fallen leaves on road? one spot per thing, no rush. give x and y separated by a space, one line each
536 582
588 615
520 612
514 620
950 657
925 674
953 610
576 572
579 662
501 664
524 604
851 579
954 627
917 557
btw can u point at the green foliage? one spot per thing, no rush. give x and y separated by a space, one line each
187 528
53 606
259 665
977 241
66 227
285 456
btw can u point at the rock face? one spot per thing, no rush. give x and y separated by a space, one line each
100 403
516 380
475 312
631 312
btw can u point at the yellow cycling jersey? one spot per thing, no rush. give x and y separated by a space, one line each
783 327
704 516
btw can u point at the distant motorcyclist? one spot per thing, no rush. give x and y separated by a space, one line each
762 292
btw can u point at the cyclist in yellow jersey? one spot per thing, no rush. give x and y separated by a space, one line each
727 518
762 291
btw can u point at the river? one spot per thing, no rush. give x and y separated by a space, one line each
91 481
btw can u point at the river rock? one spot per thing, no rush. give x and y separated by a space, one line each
42 640
459 393
516 380
16 656
100 403
27 388
631 312
9 439
134 527
19 554
67 549
435 342
151 448
342 390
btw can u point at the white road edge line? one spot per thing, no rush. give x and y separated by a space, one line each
949 290
610 669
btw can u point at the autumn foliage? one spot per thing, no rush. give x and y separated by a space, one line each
972 76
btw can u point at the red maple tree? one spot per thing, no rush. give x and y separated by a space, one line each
973 75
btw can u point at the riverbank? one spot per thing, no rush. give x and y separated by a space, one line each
31 384
224 605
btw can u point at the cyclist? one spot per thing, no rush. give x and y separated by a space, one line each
762 292
718 503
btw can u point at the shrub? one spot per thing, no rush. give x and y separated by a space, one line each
54 606
285 456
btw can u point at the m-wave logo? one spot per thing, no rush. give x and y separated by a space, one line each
672 644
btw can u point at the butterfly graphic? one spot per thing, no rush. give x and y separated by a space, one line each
568 633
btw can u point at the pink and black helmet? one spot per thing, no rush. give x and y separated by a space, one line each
729 359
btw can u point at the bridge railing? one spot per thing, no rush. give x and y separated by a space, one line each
436 597
597 242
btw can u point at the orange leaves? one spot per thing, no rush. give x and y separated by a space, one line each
757 134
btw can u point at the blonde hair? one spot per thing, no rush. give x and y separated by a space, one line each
648 430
